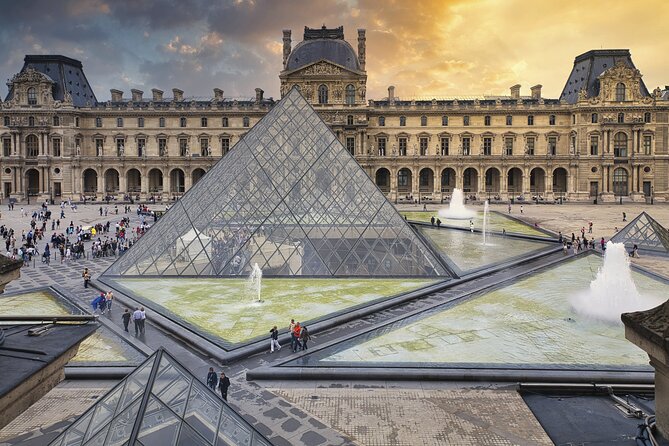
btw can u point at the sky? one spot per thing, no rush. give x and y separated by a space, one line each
426 49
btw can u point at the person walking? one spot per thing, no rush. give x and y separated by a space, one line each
143 320
509 208
291 329
521 208
109 297
438 223
297 331
224 385
590 228
125 317
137 320
212 379
86 276
304 337
624 216
274 339
432 220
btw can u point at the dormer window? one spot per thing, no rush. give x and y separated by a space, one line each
32 96
323 94
620 92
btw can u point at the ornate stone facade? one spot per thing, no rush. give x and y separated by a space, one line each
606 138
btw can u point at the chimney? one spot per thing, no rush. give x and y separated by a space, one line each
286 46
136 95
536 91
117 95
259 94
361 48
515 92
178 94
218 94
157 95
391 94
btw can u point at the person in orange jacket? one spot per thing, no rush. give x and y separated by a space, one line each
296 333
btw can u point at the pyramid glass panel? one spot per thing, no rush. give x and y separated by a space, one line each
646 233
290 198
171 408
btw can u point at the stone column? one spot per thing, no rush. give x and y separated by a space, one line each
393 184
122 186
526 182
166 187
100 186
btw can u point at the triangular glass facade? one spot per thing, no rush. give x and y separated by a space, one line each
290 198
645 232
162 404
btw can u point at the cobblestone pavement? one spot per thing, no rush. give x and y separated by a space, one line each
407 417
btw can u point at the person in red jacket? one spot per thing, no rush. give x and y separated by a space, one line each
296 333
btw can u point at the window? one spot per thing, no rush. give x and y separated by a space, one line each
403 147
162 146
119 122
32 147
552 145
620 177
161 122
183 147
621 118
573 119
182 122
203 122
56 121
647 141
350 144
646 117
594 145
98 122
382 121
382 146
551 120
530 120
508 146
487 146
620 144
349 120
76 121
31 121
465 120
620 92
141 143
246 122
99 146
6 121
225 145
6 147
445 142
423 146
32 96
322 94
403 178
350 95
466 145
140 122
530 145
224 122
204 147
403 121
423 121
572 144
444 121
594 118
55 147
509 120
486 120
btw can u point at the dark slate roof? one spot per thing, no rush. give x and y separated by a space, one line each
68 75
587 68
22 356
328 44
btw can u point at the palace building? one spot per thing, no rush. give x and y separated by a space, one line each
606 137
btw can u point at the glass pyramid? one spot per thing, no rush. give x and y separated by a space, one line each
290 198
645 232
163 404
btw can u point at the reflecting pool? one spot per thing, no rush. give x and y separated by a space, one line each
496 223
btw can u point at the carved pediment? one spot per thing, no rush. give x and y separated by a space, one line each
322 68
620 73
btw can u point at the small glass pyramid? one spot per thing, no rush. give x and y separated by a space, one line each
160 404
290 198
645 232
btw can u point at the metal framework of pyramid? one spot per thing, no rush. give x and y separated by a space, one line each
645 232
160 403
290 198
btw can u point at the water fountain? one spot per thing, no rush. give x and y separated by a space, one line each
485 222
255 283
456 208
613 291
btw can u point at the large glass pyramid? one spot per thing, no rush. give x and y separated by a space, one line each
290 198
163 404
645 232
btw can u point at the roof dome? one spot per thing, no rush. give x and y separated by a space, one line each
312 50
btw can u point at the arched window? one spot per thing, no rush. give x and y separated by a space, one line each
56 121
530 120
594 118
349 120
32 147
620 92
620 144
403 121
423 121
182 122
31 121
350 95
620 177
323 94
621 118
32 96
246 122
646 117
161 122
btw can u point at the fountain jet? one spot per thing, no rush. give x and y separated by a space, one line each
456 208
